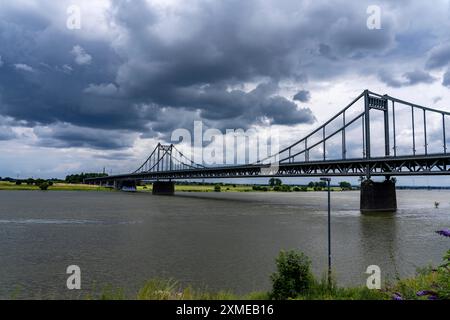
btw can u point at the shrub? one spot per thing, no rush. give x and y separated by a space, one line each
44 186
18 182
217 188
293 276
344 185
296 189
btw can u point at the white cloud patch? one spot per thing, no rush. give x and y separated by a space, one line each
81 56
104 89
23 67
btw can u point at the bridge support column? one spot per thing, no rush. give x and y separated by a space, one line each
166 188
378 196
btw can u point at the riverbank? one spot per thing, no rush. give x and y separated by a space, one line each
55 187
4 185
428 284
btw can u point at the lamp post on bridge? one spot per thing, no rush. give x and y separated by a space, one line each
328 180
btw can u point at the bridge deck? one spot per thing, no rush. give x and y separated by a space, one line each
422 165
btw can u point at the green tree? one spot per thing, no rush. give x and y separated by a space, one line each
44 185
293 276
344 185
217 188
275 182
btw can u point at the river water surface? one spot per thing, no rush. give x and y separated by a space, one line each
219 241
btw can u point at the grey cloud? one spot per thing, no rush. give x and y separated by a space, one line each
408 78
446 79
439 56
66 136
302 96
6 133
418 76
156 72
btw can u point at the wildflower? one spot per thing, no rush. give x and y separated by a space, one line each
397 296
444 232
422 293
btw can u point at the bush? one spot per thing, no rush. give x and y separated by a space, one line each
296 189
344 185
44 186
293 276
18 182
217 188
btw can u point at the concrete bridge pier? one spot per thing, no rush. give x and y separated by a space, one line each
125 185
378 196
164 188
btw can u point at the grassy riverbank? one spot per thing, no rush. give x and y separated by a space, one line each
294 280
427 281
5 185
55 187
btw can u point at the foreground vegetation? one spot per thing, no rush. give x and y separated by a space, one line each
294 280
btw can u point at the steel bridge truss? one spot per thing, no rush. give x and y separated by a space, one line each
167 162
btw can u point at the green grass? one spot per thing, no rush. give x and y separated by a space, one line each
163 289
56 187
4 185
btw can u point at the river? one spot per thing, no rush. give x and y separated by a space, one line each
219 241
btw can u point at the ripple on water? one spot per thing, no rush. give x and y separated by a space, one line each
63 221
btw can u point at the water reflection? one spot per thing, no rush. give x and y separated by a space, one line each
215 240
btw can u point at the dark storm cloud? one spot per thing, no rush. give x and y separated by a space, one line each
6 133
418 76
302 96
65 136
407 79
159 70
446 79
439 56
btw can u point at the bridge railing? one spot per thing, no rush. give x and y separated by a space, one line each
300 150
360 119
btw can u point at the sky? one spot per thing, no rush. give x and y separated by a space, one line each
79 93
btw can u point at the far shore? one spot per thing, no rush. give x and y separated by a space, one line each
148 188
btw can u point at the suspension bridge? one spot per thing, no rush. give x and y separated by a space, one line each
374 135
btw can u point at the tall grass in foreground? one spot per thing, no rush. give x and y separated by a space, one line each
433 281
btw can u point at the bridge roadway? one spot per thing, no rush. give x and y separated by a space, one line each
375 196
419 165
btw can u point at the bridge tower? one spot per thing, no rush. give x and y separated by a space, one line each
376 196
